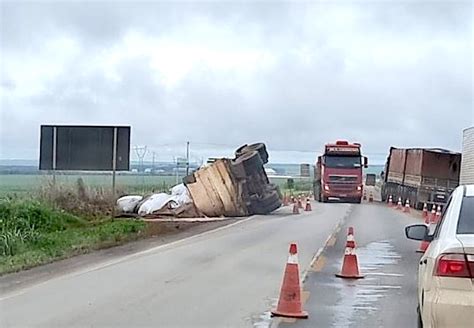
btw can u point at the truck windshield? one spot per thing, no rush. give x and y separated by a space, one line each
343 161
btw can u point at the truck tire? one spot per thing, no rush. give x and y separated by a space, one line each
189 179
238 170
317 191
270 202
240 151
251 162
259 147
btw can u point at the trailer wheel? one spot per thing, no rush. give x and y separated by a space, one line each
270 202
259 147
240 151
237 168
251 161
189 179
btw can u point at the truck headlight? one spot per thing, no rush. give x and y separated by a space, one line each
359 188
326 187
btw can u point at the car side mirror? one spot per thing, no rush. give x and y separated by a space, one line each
366 162
418 232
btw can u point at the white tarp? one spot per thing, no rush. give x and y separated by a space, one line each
182 194
156 202
127 204
179 197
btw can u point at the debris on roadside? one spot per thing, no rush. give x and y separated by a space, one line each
227 187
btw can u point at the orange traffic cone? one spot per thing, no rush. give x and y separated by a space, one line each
371 196
438 214
399 203
390 201
289 302
350 266
423 246
308 205
300 204
406 209
364 197
285 200
433 214
425 213
296 208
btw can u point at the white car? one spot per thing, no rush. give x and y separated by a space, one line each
446 270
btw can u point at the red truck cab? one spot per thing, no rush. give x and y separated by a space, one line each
338 172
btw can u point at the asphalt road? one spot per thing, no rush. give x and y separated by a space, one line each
229 277
386 297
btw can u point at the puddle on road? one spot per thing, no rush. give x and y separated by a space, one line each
358 298
265 320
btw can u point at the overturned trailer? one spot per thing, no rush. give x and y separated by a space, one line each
234 187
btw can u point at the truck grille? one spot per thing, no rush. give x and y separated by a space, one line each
342 179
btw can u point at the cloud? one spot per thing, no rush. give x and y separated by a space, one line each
295 75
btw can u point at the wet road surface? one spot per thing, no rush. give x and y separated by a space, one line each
226 278
386 297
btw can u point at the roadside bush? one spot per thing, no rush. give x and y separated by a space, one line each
22 221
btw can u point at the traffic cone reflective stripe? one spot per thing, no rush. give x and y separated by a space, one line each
289 302
350 265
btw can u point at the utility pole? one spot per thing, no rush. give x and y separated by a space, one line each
153 162
187 158
141 152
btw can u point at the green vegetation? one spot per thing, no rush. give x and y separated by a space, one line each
24 184
32 233
300 185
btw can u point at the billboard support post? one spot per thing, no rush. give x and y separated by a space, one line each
114 168
55 138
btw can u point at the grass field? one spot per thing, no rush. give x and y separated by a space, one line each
28 183
22 184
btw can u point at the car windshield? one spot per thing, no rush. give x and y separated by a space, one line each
466 217
343 161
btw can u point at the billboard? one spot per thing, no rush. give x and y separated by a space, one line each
84 148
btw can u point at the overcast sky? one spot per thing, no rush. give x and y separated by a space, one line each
294 75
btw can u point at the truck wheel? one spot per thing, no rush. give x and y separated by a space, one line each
259 147
251 161
324 199
240 151
237 169
269 203
189 179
